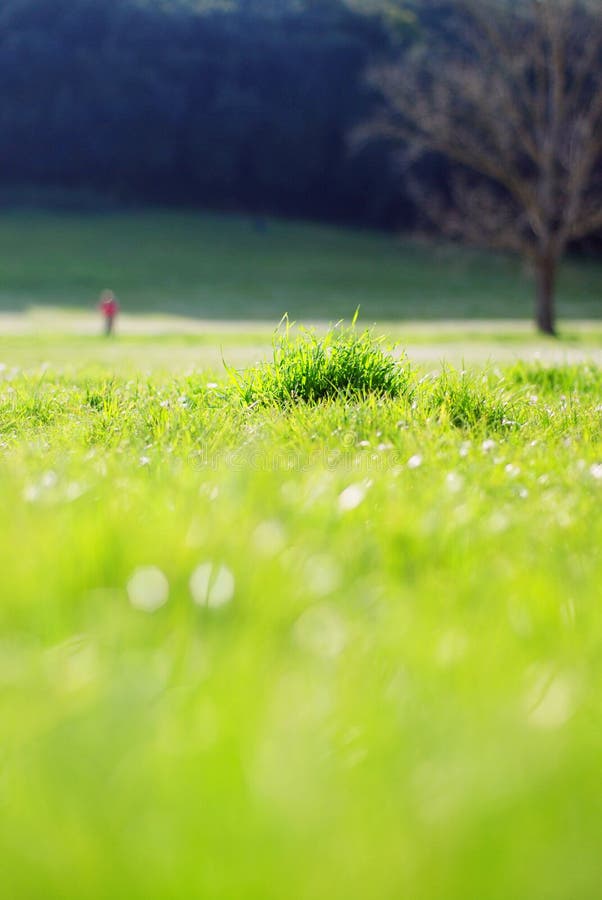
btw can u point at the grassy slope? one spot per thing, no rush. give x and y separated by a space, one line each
400 698
220 267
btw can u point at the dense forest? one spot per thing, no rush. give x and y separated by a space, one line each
231 105
225 104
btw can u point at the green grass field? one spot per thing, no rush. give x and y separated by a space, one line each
256 647
342 649
198 289
221 267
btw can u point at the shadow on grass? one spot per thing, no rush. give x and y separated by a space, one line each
222 268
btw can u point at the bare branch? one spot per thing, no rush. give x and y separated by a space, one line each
511 92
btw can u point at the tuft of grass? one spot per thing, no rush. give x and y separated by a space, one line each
467 401
310 368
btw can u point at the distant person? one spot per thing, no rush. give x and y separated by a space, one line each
109 307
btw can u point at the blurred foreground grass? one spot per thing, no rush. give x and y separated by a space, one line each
338 651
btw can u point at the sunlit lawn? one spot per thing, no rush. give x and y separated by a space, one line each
223 267
349 650
344 650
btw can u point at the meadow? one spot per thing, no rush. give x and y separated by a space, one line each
322 628
233 268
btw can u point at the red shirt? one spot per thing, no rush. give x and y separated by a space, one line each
109 308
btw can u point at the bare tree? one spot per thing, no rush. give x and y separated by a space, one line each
511 94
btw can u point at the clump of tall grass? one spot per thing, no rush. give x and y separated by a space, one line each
308 368
464 401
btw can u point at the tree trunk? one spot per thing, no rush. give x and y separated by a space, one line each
545 274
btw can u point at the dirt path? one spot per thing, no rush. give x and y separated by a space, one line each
54 336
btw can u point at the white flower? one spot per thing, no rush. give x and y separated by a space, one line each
454 482
321 631
148 589
269 538
414 462
551 699
351 497
49 480
321 575
212 585
31 493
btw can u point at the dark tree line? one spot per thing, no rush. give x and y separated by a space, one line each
225 104
243 105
